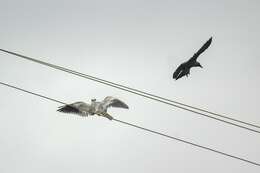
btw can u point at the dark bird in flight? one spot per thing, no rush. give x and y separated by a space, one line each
98 108
184 68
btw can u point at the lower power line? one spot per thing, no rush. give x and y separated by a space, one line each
142 128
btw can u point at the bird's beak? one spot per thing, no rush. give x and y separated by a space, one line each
201 66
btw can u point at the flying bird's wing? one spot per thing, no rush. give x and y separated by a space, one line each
114 102
182 73
69 109
202 49
74 108
178 71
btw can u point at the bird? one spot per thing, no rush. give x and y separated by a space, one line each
99 108
184 68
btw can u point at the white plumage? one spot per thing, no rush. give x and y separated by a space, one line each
98 108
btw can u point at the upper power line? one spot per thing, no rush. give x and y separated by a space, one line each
145 129
173 103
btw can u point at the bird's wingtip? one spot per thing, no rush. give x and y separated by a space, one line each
126 106
68 109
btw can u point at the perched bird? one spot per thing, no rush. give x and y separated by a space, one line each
184 68
98 108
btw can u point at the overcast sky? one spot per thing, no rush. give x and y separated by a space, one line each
138 43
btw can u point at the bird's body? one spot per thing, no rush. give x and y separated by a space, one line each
184 68
98 108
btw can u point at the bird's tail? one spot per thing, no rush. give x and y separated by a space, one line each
109 116
104 114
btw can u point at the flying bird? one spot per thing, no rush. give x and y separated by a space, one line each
98 108
184 68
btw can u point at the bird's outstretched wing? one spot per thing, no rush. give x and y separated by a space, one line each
178 71
74 108
69 109
114 102
182 73
202 49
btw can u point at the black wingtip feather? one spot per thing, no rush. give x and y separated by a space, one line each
68 109
210 40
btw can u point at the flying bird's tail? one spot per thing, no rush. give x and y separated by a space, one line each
109 117
104 114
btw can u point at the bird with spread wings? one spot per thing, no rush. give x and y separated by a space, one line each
98 108
184 68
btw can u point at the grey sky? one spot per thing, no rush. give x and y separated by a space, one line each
138 44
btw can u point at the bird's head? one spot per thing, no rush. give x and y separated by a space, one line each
197 64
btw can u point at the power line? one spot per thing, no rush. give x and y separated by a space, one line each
184 141
142 128
143 94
